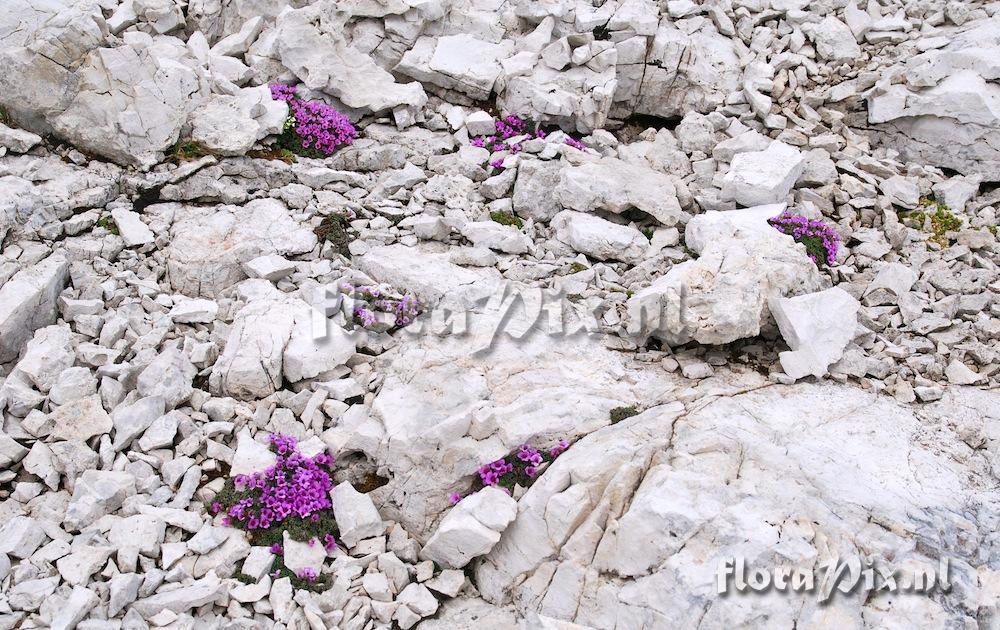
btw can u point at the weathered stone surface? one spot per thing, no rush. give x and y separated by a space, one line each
722 295
656 507
946 112
325 61
599 238
471 528
616 186
817 327
28 302
462 63
209 245
230 125
761 177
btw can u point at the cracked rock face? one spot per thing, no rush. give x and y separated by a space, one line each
549 242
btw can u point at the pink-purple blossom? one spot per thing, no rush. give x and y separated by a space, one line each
821 241
318 126
295 486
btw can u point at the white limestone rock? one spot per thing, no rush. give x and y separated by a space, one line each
194 311
834 40
471 528
463 63
208 246
722 295
231 124
763 177
178 600
97 493
817 327
492 235
356 515
658 510
616 186
302 555
946 112
169 376
133 231
80 420
20 536
28 302
317 52
251 456
599 238
47 355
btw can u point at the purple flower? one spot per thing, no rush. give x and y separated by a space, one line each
576 144
497 163
308 574
317 125
558 449
329 543
216 507
277 549
820 240
454 498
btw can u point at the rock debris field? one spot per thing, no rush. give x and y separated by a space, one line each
443 314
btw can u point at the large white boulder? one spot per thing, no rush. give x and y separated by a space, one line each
632 526
946 111
317 52
763 177
616 186
599 238
471 528
722 295
208 246
28 302
230 125
463 63
817 327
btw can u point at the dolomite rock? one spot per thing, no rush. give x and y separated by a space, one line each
577 99
429 276
131 104
492 235
722 295
616 186
251 456
946 112
80 420
46 356
535 190
763 177
471 528
209 245
131 228
192 595
356 515
462 63
324 60
21 536
817 327
97 492
169 376
302 555
681 72
655 503
599 238
834 40
230 125
28 302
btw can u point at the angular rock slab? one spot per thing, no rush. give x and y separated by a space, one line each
616 186
947 113
28 302
817 327
629 527
208 246
721 296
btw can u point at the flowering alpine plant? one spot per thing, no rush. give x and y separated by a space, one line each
518 469
820 239
374 299
313 128
291 496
